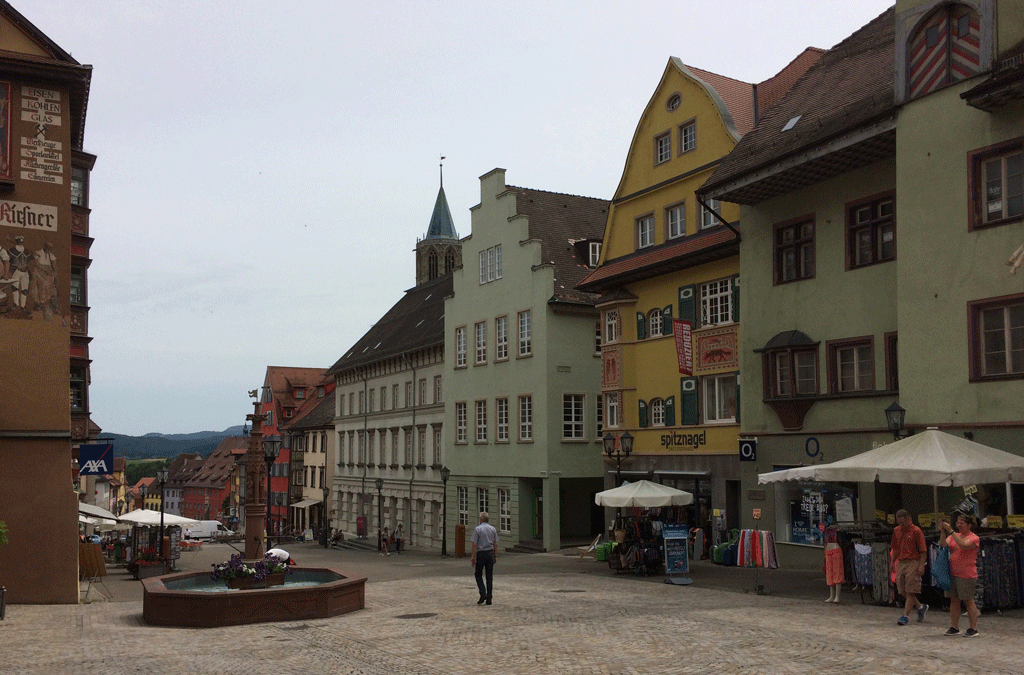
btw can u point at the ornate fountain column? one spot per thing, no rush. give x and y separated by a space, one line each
255 488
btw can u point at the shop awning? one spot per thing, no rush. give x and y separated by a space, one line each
305 502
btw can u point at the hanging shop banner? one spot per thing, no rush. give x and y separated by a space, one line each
95 459
676 560
683 331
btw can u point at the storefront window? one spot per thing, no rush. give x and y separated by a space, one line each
803 510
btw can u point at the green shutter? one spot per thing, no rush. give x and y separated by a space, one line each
735 298
641 326
666 320
737 398
670 411
688 403
688 304
643 413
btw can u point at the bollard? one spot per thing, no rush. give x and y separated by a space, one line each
460 541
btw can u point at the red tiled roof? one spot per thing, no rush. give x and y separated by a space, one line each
738 97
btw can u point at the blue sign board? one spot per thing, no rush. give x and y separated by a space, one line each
676 559
95 459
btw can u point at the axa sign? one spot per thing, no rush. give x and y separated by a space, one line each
95 459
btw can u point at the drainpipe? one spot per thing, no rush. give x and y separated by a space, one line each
362 484
718 217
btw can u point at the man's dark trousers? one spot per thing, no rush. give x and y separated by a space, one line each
485 561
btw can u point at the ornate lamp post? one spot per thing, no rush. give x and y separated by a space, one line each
120 506
326 535
271 449
618 455
379 483
445 475
142 496
161 476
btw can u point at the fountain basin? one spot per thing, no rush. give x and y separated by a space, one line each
192 600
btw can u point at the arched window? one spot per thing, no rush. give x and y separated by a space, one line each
654 321
432 265
449 262
658 412
946 48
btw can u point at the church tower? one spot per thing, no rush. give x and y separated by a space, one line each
439 251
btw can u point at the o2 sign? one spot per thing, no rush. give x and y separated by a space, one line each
748 449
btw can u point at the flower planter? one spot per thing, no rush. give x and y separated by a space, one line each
147 571
244 583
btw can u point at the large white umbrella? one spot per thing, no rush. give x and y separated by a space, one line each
643 493
150 517
931 457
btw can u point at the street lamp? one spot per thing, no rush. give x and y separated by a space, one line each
271 449
161 476
894 416
618 454
323 525
445 475
142 496
379 483
120 506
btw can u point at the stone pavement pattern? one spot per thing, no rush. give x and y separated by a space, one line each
557 622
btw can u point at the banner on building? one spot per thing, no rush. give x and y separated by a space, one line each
95 459
683 330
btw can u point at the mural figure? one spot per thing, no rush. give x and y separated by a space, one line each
28 280
42 289
14 275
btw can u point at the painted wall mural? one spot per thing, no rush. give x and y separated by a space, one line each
716 349
28 265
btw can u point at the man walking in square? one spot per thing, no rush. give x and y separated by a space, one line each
909 554
484 555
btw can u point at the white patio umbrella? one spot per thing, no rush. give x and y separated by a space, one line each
643 493
150 517
931 457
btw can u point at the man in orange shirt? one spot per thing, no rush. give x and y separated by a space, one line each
963 567
909 553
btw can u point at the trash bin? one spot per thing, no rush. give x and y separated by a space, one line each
460 541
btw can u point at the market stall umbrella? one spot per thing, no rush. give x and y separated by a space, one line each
931 457
95 511
150 517
643 493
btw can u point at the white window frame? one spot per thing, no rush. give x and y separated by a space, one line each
501 420
460 422
595 253
574 417
460 347
645 231
480 408
438 391
483 500
612 406
654 323
611 326
480 342
675 218
716 302
658 412
526 418
437 447
525 337
706 219
504 510
716 390
463 500
490 264
663 147
687 137
501 338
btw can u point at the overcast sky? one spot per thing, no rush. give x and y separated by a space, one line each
266 167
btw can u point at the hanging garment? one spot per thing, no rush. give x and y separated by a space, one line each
834 573
862 564
880 590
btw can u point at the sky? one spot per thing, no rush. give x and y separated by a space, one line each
265 168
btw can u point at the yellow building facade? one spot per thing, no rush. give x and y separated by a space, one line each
668 275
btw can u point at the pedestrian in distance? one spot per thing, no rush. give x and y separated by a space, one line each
484 555
909 555
963 567
399 538
384 539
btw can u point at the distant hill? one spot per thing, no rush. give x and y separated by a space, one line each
156 445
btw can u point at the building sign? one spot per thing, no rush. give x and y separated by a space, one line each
717 348
683 332
28 216
42 159
680 440
95 459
